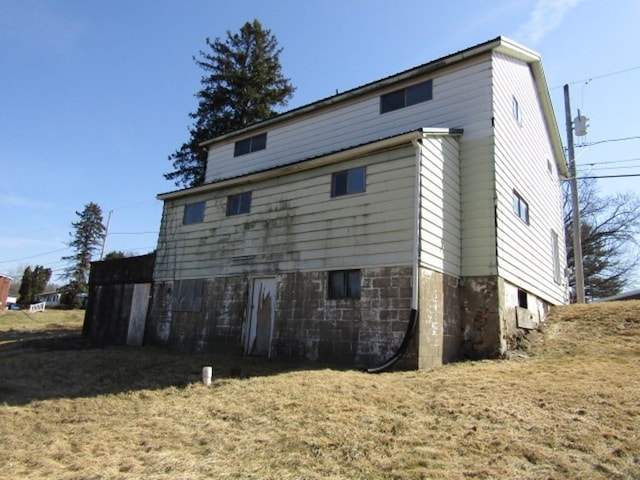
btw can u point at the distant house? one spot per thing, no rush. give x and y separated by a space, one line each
321 232
52 299
5 283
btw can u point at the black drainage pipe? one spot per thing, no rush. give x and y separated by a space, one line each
408 335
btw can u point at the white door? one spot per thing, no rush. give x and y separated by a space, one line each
261 315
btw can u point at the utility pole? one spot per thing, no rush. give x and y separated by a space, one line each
575 207
106 232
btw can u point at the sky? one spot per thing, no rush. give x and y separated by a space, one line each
95 95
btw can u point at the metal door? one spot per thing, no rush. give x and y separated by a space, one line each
261 316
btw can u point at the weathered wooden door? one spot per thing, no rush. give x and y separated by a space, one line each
261 316
138 314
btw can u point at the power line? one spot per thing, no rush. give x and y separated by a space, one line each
604 75
598 168
34 256
589 144
609 176
609 162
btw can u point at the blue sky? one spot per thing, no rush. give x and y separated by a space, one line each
95 94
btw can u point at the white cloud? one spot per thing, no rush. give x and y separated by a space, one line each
546 16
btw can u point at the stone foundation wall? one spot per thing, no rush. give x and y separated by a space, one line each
523 312
361 332
472 318
481 318
440 329
216 326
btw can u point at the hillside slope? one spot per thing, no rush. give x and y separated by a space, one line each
571 410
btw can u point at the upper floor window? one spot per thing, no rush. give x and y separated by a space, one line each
238 203
517 111
193 213
407 96
555 254
520 207
344 284
252 144
348 181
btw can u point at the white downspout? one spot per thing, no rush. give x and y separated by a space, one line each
416 231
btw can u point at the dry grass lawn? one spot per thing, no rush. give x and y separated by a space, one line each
571 410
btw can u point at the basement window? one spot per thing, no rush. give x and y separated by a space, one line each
193 213
238 203
348 182
248 145
520 207
344 284
406 97
522 299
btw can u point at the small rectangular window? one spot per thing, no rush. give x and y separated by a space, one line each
348 182
555 254
517 113
238 203
344 284
248 145
522 299
193 213
406 97
520 207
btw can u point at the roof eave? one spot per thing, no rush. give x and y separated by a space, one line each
432 66
309 163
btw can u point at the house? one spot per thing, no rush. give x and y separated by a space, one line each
421 211
5 284
52 299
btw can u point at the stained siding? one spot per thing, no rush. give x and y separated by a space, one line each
477 207
522 155
440 240
294 224
461 98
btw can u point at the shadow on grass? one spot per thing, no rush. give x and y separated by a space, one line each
52 364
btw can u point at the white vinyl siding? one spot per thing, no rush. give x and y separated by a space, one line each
440 241
461 98
294 224
477 207
526 256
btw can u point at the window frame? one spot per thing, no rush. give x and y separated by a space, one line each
350 187
517 110
555 257
250 145
404 97
521 208
238 204
193 213
345 286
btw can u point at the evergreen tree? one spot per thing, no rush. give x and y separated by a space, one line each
26 289
608 229
87 238
33 283
243 82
